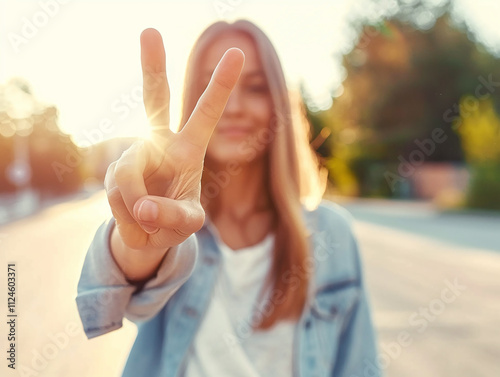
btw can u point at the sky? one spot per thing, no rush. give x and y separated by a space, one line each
84 56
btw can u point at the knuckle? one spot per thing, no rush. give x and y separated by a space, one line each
194 219
136 145
208 110
133 151
111 168
182 217
114 196
224 84
197 223
118 208
124 173
181 233
154 78
109 177
198 218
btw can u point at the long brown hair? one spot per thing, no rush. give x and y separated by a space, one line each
294 176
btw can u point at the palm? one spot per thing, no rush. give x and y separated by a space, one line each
169 166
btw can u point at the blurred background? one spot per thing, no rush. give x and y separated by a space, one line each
403 101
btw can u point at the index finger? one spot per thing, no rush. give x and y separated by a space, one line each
156 92
210 106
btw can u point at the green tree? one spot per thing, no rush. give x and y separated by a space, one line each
402 83
479 129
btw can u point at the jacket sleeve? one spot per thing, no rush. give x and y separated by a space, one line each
358 353
105 296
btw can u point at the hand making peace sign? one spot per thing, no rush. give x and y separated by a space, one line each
154 188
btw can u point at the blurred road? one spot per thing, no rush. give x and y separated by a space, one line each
48 249
476 229
433 280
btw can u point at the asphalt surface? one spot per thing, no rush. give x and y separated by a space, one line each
433 281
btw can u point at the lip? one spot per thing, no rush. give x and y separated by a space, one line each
234 131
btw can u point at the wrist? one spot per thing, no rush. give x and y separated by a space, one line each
136 265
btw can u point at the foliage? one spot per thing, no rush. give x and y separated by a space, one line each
401 84
479 128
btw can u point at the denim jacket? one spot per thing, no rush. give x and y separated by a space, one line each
334 337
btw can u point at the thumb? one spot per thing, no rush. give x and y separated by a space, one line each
155 212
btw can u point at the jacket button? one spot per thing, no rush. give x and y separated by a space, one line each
307 324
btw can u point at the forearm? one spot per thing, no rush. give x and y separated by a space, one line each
136 265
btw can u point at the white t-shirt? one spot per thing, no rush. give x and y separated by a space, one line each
225 345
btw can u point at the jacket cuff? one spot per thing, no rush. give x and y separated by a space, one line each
105 296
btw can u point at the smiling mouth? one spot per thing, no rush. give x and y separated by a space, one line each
234 132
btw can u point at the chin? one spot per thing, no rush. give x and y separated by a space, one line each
225 156
233 154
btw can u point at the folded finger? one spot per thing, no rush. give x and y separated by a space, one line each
129 175
115 200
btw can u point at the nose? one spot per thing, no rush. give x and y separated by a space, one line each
234 106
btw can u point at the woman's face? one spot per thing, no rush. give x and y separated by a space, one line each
241 132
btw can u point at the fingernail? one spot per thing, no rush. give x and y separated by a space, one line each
148 211
149 229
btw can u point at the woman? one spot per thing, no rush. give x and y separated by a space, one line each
220 248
